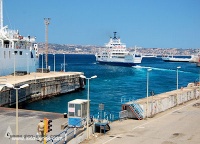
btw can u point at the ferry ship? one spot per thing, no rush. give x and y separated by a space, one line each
17 53
175 59
117 54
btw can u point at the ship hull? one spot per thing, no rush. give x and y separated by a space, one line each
176 59
23 60
125 64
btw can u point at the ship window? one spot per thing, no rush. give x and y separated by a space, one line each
4 54
20 53
71 105
31 55
6 44
77 110
15 52
71 113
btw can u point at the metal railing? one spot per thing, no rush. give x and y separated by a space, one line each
66 134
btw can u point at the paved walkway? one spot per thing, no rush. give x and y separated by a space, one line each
179 125
33 76
28 121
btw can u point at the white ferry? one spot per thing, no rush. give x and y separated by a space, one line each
175 59
17 53
117 54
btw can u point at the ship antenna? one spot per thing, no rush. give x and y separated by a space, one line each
1 13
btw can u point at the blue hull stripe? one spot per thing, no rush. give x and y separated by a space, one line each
118 63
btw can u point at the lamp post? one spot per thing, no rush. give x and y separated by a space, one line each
64 62
177 77
46 22
88 100
42 63
148 70
16 88
14 65
27 63
54 62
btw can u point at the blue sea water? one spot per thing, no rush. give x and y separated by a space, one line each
114 82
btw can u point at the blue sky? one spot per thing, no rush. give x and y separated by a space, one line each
145 23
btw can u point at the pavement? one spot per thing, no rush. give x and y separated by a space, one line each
28 121
33 76
178 125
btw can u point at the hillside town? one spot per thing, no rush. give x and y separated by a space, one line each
92 49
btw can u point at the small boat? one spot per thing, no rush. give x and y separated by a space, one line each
116 53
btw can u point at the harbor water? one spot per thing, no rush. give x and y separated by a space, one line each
114 82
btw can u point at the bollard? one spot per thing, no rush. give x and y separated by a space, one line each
52 141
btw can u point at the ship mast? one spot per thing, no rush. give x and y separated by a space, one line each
115 35
1 14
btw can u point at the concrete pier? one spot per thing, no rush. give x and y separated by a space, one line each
158 103
41 85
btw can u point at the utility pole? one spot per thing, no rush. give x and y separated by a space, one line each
46 22
1 14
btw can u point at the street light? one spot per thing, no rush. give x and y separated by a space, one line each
16 88
64 61
27 63
88 100
177 77
148 70
14 65
42 63
54 62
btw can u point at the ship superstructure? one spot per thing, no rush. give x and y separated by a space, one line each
17 52
117 54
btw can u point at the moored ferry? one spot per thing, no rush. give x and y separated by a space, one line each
17 53
117 54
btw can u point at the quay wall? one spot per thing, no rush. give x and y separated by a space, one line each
164 101
41 87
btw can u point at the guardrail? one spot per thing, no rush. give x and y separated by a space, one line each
103 116
64 135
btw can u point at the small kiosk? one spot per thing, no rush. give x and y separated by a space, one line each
77 112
